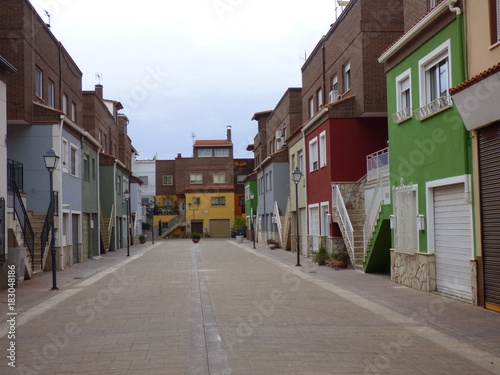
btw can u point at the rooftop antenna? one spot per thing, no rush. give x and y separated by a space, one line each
98 77
48 16
305 56
193 136
339 7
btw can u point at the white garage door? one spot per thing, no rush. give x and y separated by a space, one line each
314 226
303 231
453 241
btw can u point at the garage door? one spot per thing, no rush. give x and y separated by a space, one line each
220 228
303 231
453 241
314 226
489 174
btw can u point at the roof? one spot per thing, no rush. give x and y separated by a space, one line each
215 188
257 115
213 142
478 78
250 147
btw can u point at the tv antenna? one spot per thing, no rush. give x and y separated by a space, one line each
305 56
48 16
193 136
98 77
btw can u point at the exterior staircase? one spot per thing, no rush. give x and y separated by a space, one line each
176 222
357 217
37 223
107 224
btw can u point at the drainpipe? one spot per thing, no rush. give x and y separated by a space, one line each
98 255
116 206
60 196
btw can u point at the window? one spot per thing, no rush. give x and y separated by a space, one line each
241 201
167 202
218 201
311 107
196 201
196 178
403 97
73 111
94 169
495 21
118 184
65 154
433 3
405 218
104 143
219 178
51 94
38 83
221 152
347 77
205 153
241 179
322 149
168 180
434 82
325 219
65 104
144 179
74 160
335 84
313 154
301 162
269 180
86 167
319 98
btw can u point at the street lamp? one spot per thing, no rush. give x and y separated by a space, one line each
51 159
252 196
153 221
126 195
296 176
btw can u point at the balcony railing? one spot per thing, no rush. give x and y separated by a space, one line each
15 174
402 115
430 109
377 165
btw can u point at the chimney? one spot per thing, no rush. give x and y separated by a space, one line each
98 91
228 133
179 156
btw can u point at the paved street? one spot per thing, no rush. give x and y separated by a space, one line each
219 307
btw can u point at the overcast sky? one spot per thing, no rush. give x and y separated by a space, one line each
182 67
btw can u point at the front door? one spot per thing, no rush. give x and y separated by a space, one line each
74 231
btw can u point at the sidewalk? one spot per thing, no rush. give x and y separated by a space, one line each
219 307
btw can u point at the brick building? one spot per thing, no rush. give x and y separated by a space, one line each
344 108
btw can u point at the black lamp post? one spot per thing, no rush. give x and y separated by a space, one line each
51 159
252 196
126 195
153 221
296 176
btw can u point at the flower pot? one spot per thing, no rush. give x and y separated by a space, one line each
239 238
196 240
338 263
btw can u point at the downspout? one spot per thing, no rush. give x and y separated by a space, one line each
323 91
60 196
115 204
98 172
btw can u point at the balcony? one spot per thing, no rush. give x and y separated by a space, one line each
15 174
433 108
402 116
377 165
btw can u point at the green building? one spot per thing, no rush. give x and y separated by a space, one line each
428 223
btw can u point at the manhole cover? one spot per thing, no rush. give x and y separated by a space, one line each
78 278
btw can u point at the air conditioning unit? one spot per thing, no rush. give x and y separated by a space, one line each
279 134
334 96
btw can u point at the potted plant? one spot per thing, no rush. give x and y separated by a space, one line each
195 237
142 238
339 259
271 243
321 256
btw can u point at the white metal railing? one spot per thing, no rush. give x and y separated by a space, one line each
402 115
377 164
277 220
340 209
373 211
436 106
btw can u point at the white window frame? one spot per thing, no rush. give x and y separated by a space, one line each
313 155
335 84
194 180
65 104
65 155
347 77
426 63
219 178
400 85
38 82
196 201
73 111
221 153
301 162
205 153
51 94
240 179
311 107
323 219
74 165
86 167
319 98
322 149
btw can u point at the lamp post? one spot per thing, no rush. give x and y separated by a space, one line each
51 159
152 221
126 195
252 196
296 176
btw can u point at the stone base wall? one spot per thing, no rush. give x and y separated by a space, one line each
473 275
353 193
415 270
